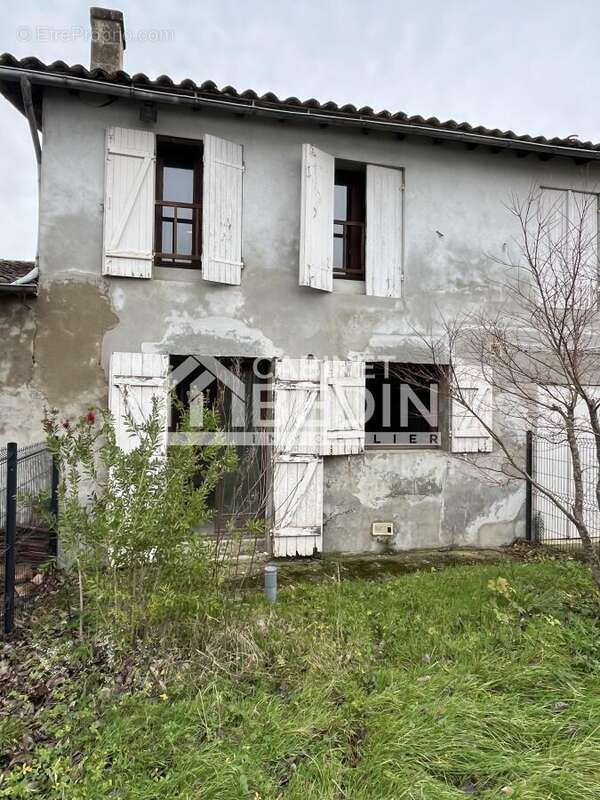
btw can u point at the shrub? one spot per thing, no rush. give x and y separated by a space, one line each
130 525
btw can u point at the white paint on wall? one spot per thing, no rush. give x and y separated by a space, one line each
228 329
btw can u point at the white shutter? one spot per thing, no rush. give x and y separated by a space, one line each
296 388
222 211
297 505
385 217
343 392
135 378
316 219
468 433
129 203
298 469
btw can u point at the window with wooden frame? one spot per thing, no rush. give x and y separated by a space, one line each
349 223
178 224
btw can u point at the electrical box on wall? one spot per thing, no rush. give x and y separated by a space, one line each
382 529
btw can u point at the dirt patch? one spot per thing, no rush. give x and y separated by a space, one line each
345 567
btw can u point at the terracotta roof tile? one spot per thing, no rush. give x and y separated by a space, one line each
210 90
11 270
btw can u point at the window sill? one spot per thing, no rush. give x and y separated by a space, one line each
346 286
180 274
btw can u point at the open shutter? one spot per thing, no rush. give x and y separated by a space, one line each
316 219
222 211
129 203
468 433
297 469
343 391
135 379
384 250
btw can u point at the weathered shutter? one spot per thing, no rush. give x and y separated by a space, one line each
343 392
222 211
296 388
385 238
469 434
129 203
297 505
135 379
297 470
316 219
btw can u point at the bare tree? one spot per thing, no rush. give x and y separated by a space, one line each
537 345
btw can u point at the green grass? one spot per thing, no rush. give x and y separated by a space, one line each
435 685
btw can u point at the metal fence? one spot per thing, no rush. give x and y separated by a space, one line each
28 503
551 466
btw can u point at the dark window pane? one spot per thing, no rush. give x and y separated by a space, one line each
167 237
355 236
340 203
184 239
338 253
178 184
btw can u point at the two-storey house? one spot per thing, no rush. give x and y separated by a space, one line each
311 245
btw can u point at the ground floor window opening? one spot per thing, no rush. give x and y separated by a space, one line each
406 405
226 391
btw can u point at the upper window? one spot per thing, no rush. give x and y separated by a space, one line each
178 229
349 224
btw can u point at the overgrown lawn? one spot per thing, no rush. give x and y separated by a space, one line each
474 681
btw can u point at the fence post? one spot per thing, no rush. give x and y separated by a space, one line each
529 488
54 509
10 537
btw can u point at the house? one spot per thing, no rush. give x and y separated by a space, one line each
318 242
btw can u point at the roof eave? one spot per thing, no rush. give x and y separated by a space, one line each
259 107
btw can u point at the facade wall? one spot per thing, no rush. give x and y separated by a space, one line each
456 224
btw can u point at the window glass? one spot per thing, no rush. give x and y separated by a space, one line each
184 239
178 184
167 237
338 252
340 202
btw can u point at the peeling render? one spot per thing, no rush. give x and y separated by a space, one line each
52 357
57 348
